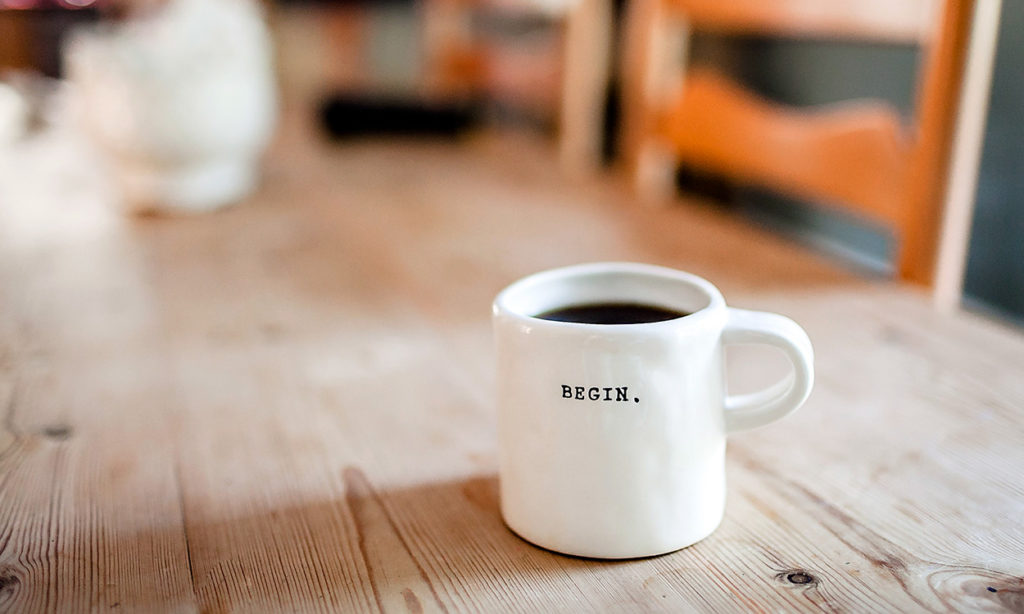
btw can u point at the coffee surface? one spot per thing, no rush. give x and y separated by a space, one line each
612 313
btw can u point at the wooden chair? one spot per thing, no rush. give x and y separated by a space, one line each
857 155
458 60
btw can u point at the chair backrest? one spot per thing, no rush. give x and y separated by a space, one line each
857 155
459 61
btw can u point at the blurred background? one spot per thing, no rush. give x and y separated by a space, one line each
447 67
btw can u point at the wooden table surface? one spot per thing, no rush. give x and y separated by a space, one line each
287 406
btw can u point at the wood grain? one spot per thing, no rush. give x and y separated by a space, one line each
287 405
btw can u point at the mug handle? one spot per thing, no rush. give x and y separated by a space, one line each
747 411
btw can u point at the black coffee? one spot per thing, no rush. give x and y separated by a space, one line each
612 313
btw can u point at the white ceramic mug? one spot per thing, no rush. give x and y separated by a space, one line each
612 436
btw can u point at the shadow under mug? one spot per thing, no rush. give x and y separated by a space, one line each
612 436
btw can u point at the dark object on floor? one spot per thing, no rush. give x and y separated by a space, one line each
347 116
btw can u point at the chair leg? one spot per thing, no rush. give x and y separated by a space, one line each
954 238
586 74
653 61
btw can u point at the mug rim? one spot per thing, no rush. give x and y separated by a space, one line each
715 301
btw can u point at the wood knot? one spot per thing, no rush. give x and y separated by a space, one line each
1009 597
965 590
798 577
57 432
9 580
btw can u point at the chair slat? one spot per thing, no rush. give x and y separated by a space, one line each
905 21
854 154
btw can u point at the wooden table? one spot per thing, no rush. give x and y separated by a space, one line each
287 405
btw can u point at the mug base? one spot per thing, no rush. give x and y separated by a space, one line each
599 554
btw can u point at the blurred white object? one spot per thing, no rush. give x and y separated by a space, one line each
181 100
13 115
